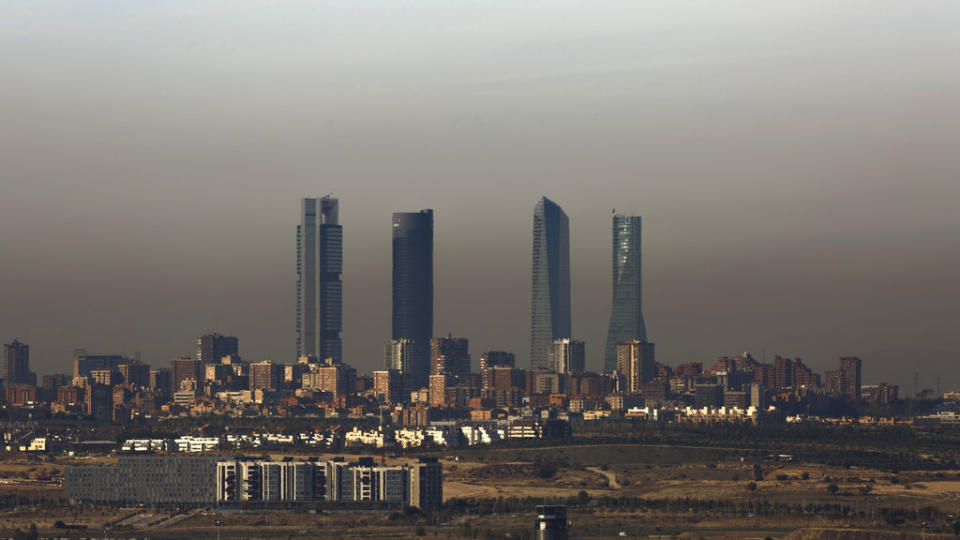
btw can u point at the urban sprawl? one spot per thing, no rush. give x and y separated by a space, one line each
428 394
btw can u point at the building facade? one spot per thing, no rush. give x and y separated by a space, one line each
388 386
185 480
636 364
398 354
319 279
449 356
84 363
16 364
413 288
182 369
550 296
626 315
568 356
211 348
497 358
156 480
266 375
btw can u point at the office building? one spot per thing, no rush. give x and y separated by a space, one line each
183 369
99 402
319 285
147 480
16 364
850 368
568 356
160 380
626 315
388 386
247 480
426 484
106 377
266 375
205 480
413 287
449 356
398 354
337 379
211 348
550 302
438 386
636 364
50 383
84 363
846 380
497 358
135 373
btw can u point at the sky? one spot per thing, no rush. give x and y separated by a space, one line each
795 164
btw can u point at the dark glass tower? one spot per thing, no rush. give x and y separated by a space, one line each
16 363
550 310
212 347
319 289
413 287
626 316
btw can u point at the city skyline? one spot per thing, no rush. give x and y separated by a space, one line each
625 235
798 194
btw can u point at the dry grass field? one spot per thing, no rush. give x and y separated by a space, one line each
601 471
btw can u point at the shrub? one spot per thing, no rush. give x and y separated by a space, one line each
833 489
546 471
752 486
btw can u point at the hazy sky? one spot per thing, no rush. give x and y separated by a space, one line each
796 164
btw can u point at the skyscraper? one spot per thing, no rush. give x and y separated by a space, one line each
550 306
16 363
413 287
319 270
626 316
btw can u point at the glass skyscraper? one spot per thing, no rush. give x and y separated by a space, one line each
626 316
413 288
550 305
319 286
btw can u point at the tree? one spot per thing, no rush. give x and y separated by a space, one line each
752 486
757 473
583 498
833 489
